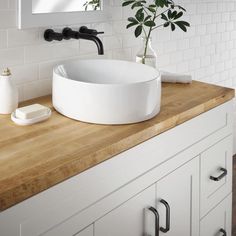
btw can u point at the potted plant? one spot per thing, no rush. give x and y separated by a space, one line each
146 17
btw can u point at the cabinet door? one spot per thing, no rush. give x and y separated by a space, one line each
218 221
178 201
130 219
86 232
180 190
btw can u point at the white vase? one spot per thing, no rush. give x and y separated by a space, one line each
8 93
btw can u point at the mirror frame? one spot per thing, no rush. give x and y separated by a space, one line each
28 20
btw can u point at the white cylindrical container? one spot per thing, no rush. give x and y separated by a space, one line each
8 93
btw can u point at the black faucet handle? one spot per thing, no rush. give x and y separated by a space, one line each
100 32
50 35
68 33
86 30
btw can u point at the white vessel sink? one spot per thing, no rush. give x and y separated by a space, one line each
106 91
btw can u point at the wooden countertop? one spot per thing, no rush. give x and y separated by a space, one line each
34 158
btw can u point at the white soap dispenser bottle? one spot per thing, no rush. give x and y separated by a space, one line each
8 93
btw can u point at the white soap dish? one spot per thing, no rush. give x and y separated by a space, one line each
32 121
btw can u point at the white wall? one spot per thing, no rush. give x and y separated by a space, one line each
207 51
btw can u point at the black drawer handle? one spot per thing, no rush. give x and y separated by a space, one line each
157 220
220 176
223 231
167 228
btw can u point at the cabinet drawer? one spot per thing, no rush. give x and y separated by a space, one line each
218 221
216 174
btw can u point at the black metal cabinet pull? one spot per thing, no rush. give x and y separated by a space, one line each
223 231
157 220
167 228
220 176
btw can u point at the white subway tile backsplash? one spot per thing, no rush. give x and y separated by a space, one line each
25 73
22 37
7 19
11 57
46 52
207 51
112 42
36 89
3 39
4 4
12 4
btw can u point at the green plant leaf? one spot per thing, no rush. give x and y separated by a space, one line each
147 18
138 31
181 26
150 23
126 3
172 27
161 3
139 16
181 8
139 11
132 19
152 6
169 14
136 4
180 14
166 24
164 17
151 9
131 24
184 23
173 15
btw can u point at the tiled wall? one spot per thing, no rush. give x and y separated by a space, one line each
207 51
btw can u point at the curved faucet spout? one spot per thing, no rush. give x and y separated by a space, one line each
99 44
95 39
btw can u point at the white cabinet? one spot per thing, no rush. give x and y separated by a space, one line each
131 219
177 201
176 193
218 221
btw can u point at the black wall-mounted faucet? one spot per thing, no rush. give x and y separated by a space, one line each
83 33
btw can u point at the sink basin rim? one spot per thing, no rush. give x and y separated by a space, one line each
156 73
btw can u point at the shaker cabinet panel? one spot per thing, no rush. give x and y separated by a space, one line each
218 221
216 174
179 190
131 218
177 201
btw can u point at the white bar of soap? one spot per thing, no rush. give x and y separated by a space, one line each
30 112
